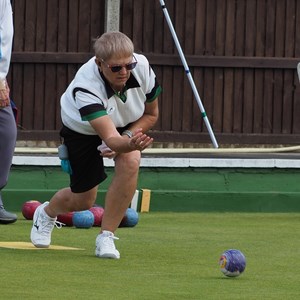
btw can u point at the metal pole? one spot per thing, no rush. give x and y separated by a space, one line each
186 67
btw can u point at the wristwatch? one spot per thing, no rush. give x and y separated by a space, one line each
128 133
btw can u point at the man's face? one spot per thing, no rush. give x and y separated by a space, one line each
118 78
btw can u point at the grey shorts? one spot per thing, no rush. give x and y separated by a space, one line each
8 136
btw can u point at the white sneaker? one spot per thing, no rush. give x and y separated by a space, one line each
105 246
42 227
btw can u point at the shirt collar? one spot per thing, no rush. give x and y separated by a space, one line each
130 83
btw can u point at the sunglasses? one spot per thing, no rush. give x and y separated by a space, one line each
118 68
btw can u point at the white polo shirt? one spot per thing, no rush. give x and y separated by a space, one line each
89 96
6 37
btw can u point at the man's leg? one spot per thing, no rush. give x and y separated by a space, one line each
66 201
117 200
8 135
121 189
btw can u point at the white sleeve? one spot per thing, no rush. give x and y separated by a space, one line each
145 73
6 36
84 99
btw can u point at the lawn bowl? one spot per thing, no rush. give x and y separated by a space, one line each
97 211
66 218
232 263
83 219
130 219
29 208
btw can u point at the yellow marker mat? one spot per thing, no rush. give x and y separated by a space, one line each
29 246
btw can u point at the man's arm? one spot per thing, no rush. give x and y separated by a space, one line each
107 131
148 119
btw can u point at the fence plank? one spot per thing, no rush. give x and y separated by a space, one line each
189 46
248 106
97 15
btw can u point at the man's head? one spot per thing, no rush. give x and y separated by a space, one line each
111 44
114 57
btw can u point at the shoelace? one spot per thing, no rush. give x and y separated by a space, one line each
108 240
47 226
59 225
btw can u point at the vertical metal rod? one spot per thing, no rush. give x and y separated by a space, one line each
189 75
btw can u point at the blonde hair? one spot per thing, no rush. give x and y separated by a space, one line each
113 43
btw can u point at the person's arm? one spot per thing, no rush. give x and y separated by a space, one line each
4 93
148 119
6 33
107 131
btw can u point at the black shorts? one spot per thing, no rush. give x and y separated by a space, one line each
86 162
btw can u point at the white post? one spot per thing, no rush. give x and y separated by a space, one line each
135 200
112 15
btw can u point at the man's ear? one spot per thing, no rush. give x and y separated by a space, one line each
98 63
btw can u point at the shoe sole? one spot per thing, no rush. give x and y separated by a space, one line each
41 246
8 221
108 256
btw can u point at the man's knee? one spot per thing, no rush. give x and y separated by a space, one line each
129 162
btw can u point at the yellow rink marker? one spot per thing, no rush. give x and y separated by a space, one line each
29 246
146 196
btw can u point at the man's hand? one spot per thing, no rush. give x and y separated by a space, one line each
106 151
140 140
4 94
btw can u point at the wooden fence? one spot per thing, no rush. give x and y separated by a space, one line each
242 55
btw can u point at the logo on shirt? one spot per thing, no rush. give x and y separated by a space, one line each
110 110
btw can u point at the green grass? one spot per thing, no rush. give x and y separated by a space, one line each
166 256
